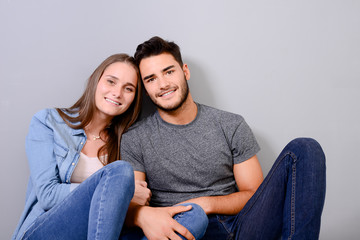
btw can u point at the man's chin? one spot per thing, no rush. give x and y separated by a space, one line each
168 108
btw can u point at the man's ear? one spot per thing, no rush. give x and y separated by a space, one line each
186 71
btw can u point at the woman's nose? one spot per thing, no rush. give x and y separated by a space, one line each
117 92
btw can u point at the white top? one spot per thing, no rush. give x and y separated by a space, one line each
85 168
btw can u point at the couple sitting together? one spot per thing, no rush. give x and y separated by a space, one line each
188 171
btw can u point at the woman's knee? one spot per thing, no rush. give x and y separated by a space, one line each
195 220
198 213
120 167
122 171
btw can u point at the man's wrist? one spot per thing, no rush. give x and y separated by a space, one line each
132 216
139 213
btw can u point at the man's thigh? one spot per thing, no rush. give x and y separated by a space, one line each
220 227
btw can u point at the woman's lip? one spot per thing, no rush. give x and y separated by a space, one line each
112 101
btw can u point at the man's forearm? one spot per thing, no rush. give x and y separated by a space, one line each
229 204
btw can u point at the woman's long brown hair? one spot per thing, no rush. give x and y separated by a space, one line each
81 113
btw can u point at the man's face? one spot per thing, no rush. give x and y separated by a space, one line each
165 81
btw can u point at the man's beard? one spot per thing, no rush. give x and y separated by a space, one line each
184 95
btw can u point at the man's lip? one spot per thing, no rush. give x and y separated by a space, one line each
166 92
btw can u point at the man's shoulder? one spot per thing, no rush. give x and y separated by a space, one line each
142 125
219 114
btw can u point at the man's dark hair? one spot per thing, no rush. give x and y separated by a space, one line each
156 46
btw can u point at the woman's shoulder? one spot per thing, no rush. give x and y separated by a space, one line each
50 119
50 115
47 113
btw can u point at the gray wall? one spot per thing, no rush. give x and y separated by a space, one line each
291 68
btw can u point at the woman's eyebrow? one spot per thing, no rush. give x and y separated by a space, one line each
111 76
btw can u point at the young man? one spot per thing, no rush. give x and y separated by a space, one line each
192 153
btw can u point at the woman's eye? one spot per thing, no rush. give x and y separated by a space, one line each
110 81
129 89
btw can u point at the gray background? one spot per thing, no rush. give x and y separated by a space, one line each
291 68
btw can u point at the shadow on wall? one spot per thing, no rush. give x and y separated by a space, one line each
200 86
148 107
266 156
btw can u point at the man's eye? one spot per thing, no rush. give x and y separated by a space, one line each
170 72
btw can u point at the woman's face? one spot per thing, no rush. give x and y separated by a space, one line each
115 90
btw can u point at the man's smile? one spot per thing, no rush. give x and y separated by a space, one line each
167 93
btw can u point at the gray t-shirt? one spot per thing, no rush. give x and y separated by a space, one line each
188 161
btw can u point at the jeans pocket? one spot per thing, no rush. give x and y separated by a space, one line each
226 221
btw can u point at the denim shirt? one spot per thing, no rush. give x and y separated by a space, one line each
53 150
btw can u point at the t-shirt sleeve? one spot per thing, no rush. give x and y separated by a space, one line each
243 142
130 150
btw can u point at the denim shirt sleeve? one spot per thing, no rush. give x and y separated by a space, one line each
44 170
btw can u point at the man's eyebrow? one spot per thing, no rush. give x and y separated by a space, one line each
167 68
164 70
147 77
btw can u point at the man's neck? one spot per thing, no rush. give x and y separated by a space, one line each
183 115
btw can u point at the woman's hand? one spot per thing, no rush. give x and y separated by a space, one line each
142 193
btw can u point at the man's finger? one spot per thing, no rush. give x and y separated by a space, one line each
178 209
183 231
174 236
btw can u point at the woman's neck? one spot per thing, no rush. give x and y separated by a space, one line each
97 124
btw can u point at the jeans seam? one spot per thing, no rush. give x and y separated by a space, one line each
27 230
179 215
230 234
48 213
39 224
258 195
292 220
293 195
100 205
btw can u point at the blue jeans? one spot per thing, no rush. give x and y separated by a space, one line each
96 209
195 220
287 204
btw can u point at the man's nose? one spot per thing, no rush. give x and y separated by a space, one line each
163 82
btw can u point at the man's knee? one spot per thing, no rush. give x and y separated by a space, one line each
307 147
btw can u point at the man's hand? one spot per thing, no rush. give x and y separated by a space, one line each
157 223
142 194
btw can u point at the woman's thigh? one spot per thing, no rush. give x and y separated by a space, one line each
69 219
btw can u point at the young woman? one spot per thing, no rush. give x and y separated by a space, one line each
66 146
